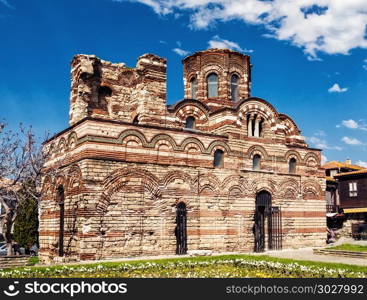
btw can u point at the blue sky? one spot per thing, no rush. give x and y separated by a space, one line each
309 56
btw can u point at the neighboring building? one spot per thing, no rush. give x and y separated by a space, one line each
219 170
333 168
353 201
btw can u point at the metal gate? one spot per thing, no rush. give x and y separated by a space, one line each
180 230
275 228
272 214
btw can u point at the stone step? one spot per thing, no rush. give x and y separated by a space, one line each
13 261
344 253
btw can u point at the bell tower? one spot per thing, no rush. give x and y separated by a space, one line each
217 77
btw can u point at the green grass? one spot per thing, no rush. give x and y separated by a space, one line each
33 260
215 266
350 247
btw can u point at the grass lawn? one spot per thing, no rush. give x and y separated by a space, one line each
198 267
350 247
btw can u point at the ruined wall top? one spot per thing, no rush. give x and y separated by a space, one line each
106 90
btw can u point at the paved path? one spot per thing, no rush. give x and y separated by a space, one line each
307 254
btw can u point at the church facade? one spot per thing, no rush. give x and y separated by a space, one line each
219 170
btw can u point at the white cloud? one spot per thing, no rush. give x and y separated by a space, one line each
353 124
316 26
320 133
6 3
350 124
337 89
351 141
180 51
323 159
321 143
362 163
217 42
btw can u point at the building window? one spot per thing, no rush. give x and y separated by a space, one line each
190 122
136 120
234 87
212 81
218 158
193 88
255 125
353 189
292 166
256 162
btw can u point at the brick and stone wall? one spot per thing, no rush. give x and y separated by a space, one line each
123 178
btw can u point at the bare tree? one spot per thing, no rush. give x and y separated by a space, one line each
21 162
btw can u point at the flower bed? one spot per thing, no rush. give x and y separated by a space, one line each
191 268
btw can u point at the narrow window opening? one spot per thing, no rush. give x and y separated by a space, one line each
292 165
234 87
212 81
190 122
193 88
218 158
256 162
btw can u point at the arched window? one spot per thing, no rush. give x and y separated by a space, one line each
256 162
218 158
255 124
190 122
292 165
193 87
234 87
212 81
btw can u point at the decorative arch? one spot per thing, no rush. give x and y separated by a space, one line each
192 140
293 154
194 110
289 189
268 185
162 136
218 145
119 178
72 140
132 132
309 157
74 178
231 182
257 149
290 126
311 189
173 175
62 146
209 180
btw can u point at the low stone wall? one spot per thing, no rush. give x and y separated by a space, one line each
13 261
353 254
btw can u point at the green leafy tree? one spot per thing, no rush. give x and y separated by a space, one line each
26 223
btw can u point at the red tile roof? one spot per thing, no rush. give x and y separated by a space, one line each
336 165
363 171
